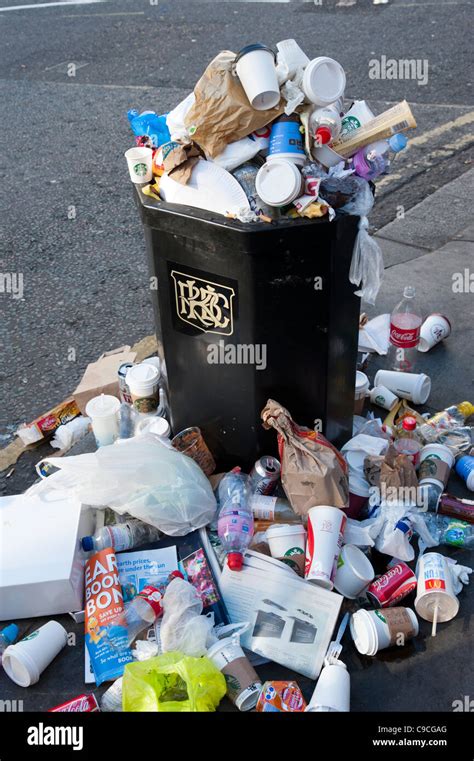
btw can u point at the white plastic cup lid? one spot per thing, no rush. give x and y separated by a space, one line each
278 182
103 405
324 80
142 375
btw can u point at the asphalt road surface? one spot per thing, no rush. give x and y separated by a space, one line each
70 226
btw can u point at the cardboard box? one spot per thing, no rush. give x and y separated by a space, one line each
101 377
41 558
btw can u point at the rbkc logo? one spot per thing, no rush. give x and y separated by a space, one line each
203 304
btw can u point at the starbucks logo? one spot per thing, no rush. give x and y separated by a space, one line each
140 169
349 124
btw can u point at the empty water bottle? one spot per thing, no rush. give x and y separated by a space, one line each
235 524
121 536
7 637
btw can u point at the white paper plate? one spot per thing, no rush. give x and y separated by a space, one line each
210 187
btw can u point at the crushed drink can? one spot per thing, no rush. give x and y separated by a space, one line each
392 587
264 476
281 697
124 391
81 704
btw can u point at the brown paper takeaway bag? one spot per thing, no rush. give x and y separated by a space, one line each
222 113
313 471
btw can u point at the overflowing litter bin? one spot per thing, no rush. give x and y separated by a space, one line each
245 312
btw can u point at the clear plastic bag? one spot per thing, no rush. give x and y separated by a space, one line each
183 628
367 264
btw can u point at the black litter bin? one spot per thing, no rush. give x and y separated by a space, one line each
247 312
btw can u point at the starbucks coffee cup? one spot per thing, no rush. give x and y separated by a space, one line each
358 115
354 572
436 461
383 397
324 81
412 386
362 384
255 67
435 594
279 182
25 661
435 328
325 531
288 543
103 411
243 683
374 630
139 162
143 382
332 693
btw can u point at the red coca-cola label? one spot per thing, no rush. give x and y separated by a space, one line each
405 338
393 586
81 704
153 597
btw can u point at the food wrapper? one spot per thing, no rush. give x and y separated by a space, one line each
46 424
179 160
281 697
221 112
313 471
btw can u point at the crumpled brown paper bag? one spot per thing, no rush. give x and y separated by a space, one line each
313 472
222 113
394 470
179 160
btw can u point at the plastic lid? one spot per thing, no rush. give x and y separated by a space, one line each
160 426
362 381
251 48
235 561
87 543
143 373
398 142
10 633
324 80
102 406
323 135
278 182
409 423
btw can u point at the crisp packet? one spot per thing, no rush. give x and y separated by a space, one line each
281 697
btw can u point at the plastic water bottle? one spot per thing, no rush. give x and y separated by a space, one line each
234 486
121 536
7 637
405 324
325 124
450 531
373 160
146 607
235 525
408 440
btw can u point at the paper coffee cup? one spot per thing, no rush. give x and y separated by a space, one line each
243 683
103 411
435 589
374 630
412 386
143 382
288 543
278 182
358 115
324 81
139 162
383 397
25 661
325 531
436 461
435 328
362 384
332 691
354 572
255 67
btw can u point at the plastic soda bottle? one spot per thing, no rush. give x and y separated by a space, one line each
405 324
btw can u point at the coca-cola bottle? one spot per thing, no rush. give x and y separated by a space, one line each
405 323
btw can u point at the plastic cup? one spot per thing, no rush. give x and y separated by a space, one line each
243 684
103 411
435 328
143 382
413 386
332 693
139 162
325 531
465 469
25 662
383 397
434 593
324 81
255 67
362 384
374 630
279 182
354 572
288 543
191 443
326 156
286 140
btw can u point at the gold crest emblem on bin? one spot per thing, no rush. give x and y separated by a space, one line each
204 304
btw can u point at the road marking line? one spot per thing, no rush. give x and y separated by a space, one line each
461 121
93 15
49 5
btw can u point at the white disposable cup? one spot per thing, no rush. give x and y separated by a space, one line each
324 81
288 543
325 531
103 411
362 384
258 76
358 114
435 328
371 633
296 158
326 156
332 692
413 386
354 572
436 461
139 162
143 381
383 397
278 182
155 424
435 588
228 657
25 661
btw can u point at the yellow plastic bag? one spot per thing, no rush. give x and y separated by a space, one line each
172 682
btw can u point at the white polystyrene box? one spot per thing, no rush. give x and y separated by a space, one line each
41 558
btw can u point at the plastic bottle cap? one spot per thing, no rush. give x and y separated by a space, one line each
176 575
10 633
398 142
409 292
323 135
87 543
409 423
235 561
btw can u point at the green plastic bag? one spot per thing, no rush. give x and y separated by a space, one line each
172 682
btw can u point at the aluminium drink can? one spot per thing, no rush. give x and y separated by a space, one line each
265 474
